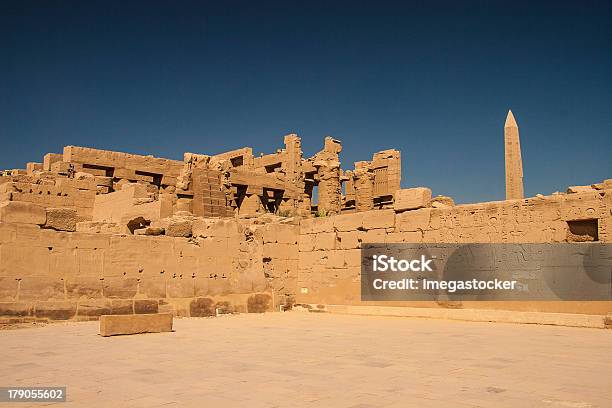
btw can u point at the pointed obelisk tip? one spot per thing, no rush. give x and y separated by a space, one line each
510 121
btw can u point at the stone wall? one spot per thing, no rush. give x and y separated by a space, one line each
329 254
225 264
51 191
260 263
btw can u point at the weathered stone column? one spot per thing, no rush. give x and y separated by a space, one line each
294 176
364 189
327 163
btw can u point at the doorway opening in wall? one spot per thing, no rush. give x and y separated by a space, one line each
582 230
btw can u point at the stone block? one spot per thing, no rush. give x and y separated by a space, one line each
101 227
122 306
202 307
375 236
41 288
376 219
91 308
325 241
61 219
322 224
220 286
90 262
177 287
349 222
153 286
54 239
16 309
150 231
287 234
284 251
307 242
8 288
411 198
269 235
306 225
441 202
179 228
55 310
579 189
349 240
113 325
417 220
8 233
145 306
203 227
259 303
51 158
63 262
22 212
225 307
335 260
201 286
84 287
89 241
119 287
352 258
31 167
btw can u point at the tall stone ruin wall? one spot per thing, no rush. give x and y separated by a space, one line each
91 231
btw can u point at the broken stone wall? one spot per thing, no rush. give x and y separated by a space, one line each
234 182
225 265
52 191
372 184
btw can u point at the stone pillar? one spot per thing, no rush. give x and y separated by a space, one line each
330 190
294 176
327 163
514 162
364 189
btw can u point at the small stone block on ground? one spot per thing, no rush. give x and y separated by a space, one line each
115 325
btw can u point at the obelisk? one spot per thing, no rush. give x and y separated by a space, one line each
514 162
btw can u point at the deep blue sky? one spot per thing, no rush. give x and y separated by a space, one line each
433 79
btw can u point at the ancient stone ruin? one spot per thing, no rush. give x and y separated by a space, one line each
89 232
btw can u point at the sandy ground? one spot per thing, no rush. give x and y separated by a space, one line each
315 360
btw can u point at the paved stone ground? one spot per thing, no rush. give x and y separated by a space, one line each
316 360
